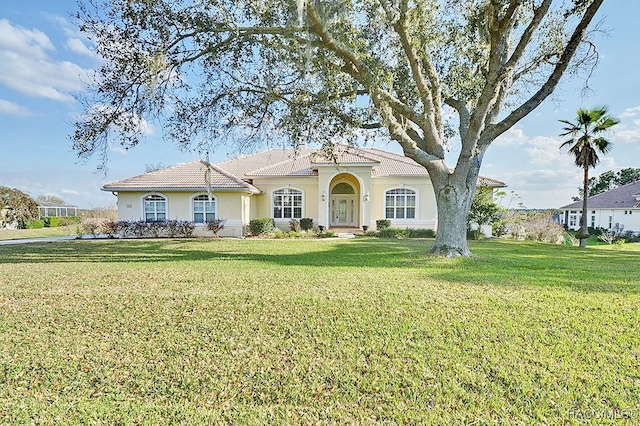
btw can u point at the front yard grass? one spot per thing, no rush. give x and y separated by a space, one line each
353 331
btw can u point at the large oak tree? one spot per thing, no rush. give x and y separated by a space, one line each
424 73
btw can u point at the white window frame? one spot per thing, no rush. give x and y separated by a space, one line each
156 211
292 190
573 219
193 202
416 214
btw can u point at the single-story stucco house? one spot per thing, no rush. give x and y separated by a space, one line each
619 206
350 187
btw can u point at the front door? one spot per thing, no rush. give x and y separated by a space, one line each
343 210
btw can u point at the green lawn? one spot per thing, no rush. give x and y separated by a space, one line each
302 332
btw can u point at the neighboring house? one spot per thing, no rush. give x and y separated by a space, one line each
49 209
617 206
350 187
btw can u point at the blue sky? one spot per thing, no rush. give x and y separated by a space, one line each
44 60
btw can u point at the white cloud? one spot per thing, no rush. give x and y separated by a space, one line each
70 191
67 27
545 151
76 45
27 67
23 41
9 108
630 112
512 137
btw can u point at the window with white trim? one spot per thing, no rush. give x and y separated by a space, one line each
204 208
287 204
400 204
573 218
155 208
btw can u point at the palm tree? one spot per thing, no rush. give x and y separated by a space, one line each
586 142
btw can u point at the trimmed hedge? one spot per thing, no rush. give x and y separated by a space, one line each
406 233
51 222
261 226
34 224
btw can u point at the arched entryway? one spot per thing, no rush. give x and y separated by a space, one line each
344 206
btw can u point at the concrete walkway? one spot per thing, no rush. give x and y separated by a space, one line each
37 240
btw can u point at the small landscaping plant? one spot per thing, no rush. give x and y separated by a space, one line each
382 224
306 223
261 226
215 226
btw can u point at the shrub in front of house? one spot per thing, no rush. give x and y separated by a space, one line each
261 226
306 223
294 225
91 226
383 224
215 226
109 227
399 233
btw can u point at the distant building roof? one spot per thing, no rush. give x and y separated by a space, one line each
626 196
50 204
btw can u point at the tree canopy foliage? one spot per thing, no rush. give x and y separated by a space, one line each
432 75
16 206
610 180
484 210
51 199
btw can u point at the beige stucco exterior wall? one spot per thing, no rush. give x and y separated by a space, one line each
232 206
426 213
239 208
262 203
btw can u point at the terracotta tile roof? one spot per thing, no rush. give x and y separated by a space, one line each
296 166
343 155
626 196
185 176
237 173
242 165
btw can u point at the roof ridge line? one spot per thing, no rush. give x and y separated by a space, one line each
227 174
251 172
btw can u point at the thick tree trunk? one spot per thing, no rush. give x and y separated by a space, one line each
584 231
453 208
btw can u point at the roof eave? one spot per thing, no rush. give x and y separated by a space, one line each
182 189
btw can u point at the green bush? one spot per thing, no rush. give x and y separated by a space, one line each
474 234
306 224
421 233
382 224
327 234
393 233
406 233
261 226
51 222
34 224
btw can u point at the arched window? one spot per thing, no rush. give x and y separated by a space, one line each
204 208
287 204
155 208
400 204
343 188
